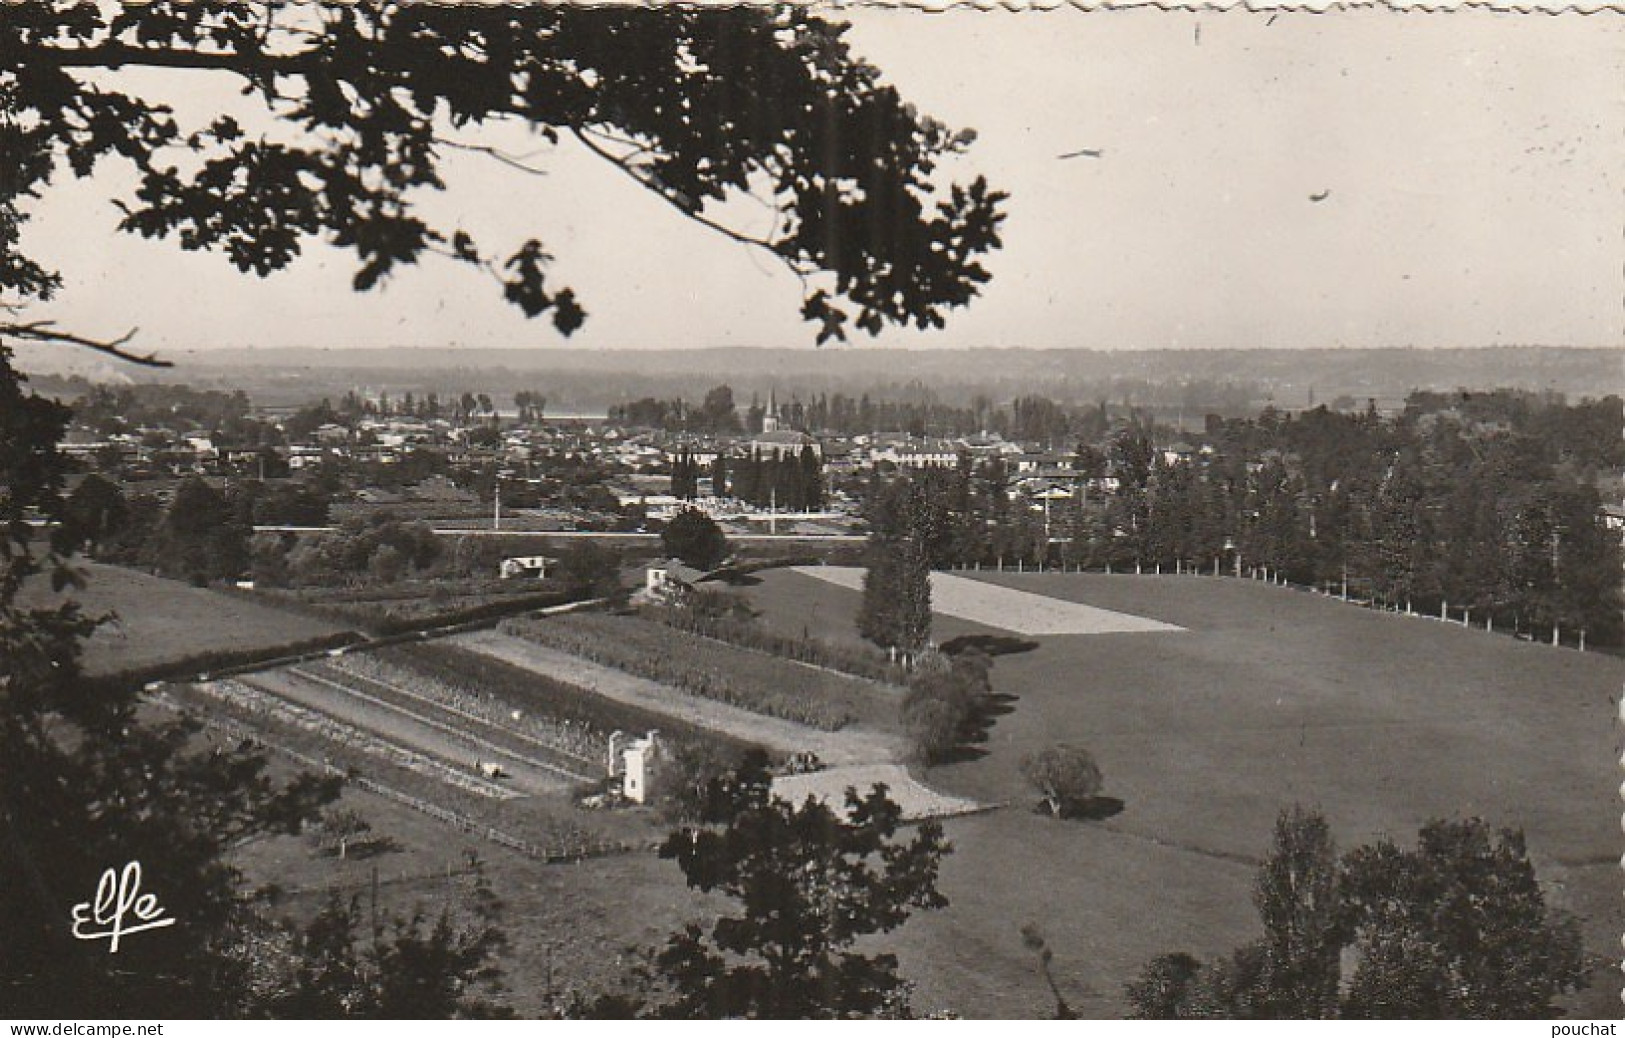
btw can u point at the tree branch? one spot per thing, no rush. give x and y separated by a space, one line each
45 331
727 232
113 54
495 153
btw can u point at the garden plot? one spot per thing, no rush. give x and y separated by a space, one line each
1020 612
851 745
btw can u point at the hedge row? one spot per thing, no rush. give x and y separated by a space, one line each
222 662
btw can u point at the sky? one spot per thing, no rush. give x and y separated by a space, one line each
1353 179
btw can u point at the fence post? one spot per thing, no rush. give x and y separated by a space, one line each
1555 640
1582 639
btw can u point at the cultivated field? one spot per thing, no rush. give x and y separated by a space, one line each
158 620
1270 696
755 681
854 745
1008 609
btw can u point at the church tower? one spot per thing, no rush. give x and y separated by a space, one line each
770 420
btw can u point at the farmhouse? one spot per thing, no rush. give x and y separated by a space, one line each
525 566
669 579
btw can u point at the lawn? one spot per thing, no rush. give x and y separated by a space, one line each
1268 697
159 621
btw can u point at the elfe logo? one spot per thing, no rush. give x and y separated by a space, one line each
118 895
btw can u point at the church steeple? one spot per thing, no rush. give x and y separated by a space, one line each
770 420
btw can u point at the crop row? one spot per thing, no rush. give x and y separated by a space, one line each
748 634
585 743
541 695
750 680
539 827
253 701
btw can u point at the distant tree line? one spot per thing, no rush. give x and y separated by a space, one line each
789 480
1487 503
1031 418
716 414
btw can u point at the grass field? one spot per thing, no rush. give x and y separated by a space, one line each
1268 697
159 620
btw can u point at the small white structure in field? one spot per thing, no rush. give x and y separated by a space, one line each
637 762
525 566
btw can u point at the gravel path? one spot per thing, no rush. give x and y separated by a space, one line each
852 745
830 786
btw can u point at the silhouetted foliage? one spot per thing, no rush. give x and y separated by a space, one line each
1455 929
805 883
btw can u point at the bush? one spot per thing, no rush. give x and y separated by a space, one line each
1066 776
696 539
939 711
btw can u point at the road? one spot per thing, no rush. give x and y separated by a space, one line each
439 531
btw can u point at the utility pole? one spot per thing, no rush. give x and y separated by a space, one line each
496 514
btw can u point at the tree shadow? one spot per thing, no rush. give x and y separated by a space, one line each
960 754
375 847
1092 809
733 578
991 644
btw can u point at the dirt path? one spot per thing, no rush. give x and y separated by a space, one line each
416 732
853 745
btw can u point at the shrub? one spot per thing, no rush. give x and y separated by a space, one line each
696 539
1066 776
939 710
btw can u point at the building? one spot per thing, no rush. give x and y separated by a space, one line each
775 439
525 566
786 443
670 579
637 763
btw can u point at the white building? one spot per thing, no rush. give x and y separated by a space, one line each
525 566
637 762
669 579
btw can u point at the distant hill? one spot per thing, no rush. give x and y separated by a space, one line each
589 381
